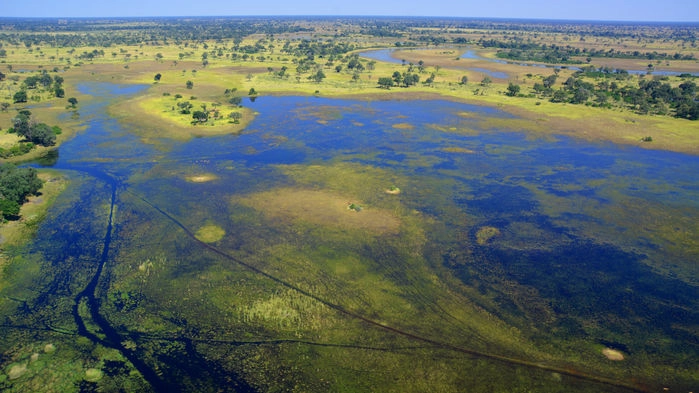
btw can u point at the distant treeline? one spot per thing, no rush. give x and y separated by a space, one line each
136 31
556 54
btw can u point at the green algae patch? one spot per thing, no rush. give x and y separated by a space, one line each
210 233
321 208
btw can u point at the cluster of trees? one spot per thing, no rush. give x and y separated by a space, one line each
36 133
44 81
16 184
615 88
404 79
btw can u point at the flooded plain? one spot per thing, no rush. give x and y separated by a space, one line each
344 245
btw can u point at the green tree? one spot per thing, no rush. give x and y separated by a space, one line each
73 101
15 185
157 77
190 84
385 82
43 135
550 80
318 76
200 116
20 96
464 80
8 208
512 90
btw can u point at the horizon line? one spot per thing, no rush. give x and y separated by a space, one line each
491 18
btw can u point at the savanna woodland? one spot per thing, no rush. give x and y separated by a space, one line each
347 204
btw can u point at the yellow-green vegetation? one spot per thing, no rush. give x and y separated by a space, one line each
486 233
321 208
93 374
210 233
455 149
201 178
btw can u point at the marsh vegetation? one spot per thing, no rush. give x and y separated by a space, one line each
258 205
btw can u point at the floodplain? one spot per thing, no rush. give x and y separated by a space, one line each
237 213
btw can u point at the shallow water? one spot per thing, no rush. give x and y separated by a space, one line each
591 246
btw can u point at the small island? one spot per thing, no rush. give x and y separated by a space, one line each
393 190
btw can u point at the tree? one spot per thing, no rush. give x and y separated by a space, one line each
20 96
42 134
397 77
59 92
318 76
8 208
190 84
21 124
252 91
73 101
15 185
464 80
385 82
486 81
410 79
157 77
200 116
512 90
550 80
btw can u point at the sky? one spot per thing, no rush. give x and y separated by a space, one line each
608 10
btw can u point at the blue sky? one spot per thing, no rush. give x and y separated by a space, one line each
621 10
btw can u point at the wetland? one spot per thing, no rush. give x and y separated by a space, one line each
232 262
348 239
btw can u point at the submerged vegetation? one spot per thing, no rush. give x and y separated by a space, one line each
234 221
